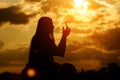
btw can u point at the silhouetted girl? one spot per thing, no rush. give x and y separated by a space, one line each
43 46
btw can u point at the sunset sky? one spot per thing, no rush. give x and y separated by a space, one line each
94 40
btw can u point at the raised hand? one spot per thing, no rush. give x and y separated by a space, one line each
66 31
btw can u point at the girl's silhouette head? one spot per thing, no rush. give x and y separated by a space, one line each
45 26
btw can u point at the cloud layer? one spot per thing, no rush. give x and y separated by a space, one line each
13 57
108 39
13 15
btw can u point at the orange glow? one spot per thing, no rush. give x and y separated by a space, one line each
31 72
81 12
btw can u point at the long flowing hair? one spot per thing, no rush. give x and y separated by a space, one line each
44 27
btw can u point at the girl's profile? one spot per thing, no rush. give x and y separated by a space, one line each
43 46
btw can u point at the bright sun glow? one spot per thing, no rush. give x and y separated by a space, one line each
81 11
81 4
78 2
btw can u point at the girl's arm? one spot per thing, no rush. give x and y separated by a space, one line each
60 50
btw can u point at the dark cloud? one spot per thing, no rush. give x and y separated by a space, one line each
75 46
13 15
33 0
81 58
112 57
109 39
14 57
1 44
92 54
86 54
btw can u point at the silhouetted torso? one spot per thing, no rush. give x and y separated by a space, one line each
42 50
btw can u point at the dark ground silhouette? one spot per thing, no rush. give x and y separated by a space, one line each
67 72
